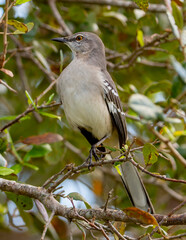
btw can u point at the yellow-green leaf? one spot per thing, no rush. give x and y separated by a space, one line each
29 25
143 4
50 115
150 154
5 171
180 133
21 201
79 197
18 2
140 37
177 14
120 226
18 25
118 169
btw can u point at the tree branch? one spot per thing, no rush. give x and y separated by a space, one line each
5 42
27 111
169 145
61 22
119 3
53 205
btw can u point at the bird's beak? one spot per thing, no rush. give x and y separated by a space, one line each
61 39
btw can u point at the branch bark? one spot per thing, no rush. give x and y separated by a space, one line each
53 205
119 3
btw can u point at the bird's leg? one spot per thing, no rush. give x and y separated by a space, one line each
92 151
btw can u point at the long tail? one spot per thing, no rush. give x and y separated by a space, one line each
135 187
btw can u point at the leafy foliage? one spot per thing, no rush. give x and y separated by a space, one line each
146 57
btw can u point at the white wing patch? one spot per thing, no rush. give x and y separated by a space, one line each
112 107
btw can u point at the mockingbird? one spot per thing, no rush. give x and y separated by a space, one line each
92 106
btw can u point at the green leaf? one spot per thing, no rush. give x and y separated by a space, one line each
111 148
143 4
3 144
140 37
37 151
179 68
29 26
145 108
164 85
21 2
50 115
119 16
30 100
150 154
177 86
21 27
17 168
21 201
50 99
116 165
5 171
12 117
177 14
79 197
32 166
77 18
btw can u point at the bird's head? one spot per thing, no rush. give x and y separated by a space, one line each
83 43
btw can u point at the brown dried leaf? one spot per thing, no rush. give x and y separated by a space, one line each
8 72
144 217
43 138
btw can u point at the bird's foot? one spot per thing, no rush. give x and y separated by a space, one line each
92 153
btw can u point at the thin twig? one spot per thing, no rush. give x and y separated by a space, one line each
56 175
116 231
172 237
163 177
5 43
27 111
52 4
169 145
11 5
47 225
6 85
120 3
108 197
177 208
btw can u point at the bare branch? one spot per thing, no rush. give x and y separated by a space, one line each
130 59
47 225
5 43
6 85
53 205
179 236
169 145
27 111
119 3
116 231
11 5
52 4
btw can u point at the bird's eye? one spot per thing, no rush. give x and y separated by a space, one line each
79 38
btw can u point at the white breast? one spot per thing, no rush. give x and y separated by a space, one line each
80 89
